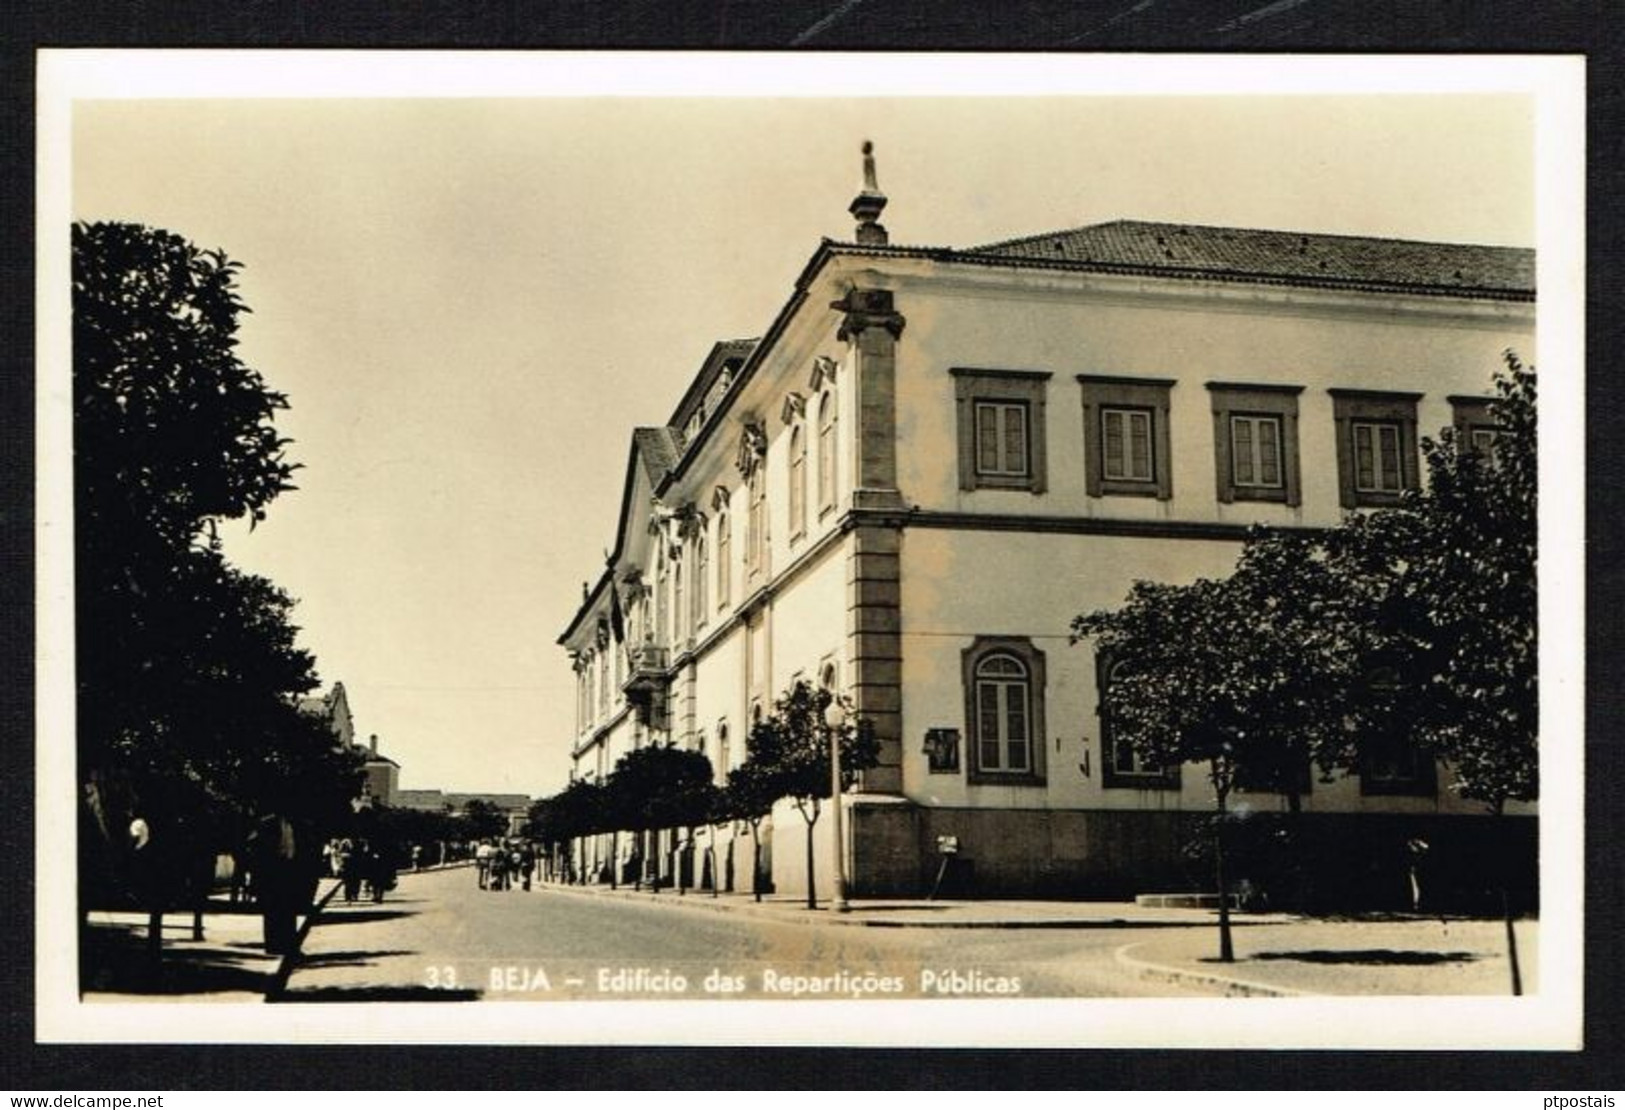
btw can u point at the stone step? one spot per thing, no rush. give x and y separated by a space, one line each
1183 901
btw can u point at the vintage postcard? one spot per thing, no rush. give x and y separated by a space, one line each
810 549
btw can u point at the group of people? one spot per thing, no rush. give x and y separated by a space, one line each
499 864
363 866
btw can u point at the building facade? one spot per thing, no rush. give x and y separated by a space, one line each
933 459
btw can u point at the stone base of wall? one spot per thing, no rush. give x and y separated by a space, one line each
1314 862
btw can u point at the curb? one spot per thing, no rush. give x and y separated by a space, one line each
1233 987
279 981
801 915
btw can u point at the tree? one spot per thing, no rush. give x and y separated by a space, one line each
749 796
1278 662
1199 676
1458 607
791 751
187 668
659 787
483 819
576 811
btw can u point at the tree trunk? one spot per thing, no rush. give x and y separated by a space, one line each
812 894
614 859
1512 943
756 859
1221 791
1506 913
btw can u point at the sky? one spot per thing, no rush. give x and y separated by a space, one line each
470 302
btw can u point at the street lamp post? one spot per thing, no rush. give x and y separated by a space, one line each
834 721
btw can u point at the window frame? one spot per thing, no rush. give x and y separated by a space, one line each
1002 473
701 598
1472 417
1249 401
1422 782
975 387
756 520
798 480
1361 407
828 471
1021 649
1103 393
1111 776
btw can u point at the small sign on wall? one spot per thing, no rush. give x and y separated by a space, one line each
942 750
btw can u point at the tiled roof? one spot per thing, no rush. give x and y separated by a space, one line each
1287 256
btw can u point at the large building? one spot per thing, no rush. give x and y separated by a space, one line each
934 458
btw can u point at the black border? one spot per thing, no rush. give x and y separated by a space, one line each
1330 26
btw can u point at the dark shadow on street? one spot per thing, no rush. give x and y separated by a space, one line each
342 916
115 959
1384 956
376 994
351 959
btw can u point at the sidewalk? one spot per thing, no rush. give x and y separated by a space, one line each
1351 956
230 964
913 913
1276 955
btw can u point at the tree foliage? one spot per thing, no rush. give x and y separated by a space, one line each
188 670
790 749
658 787
172 430
1463 576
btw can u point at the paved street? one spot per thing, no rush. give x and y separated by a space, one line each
438 937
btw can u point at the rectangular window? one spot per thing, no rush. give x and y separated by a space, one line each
1255 451
1001 439
1376 458
1001 428
1126 440
1126 448
1255 436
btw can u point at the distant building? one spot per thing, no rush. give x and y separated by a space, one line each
334 707
934 458
516 807
380 774
380 783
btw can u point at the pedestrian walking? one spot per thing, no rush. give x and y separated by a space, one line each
527 862
272 849
1416 850
350 868
482 863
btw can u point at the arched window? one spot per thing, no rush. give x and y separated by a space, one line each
662 633
1004 710
677 614
1004 732
826 451
798 482
723 755
603 682
1123 766
756 522
724 557
1390 760
702 556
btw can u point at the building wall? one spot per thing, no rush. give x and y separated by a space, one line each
1313 339
1015 563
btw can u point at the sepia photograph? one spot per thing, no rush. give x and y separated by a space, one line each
732 549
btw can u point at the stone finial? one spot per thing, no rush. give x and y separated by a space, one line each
868 204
